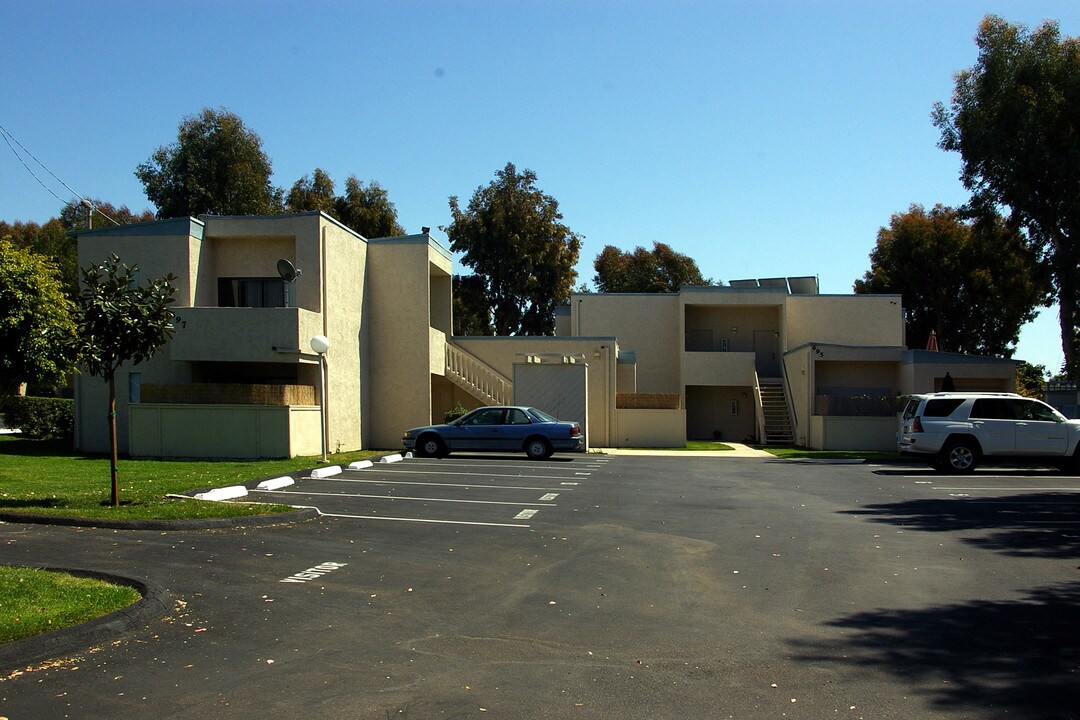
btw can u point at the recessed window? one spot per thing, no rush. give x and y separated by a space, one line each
251 292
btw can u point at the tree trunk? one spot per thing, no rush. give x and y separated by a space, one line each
112 439
1067 304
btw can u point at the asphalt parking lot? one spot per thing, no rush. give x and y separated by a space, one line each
648 587
494 491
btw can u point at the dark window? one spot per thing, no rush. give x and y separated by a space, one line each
941 408
490 416
1033 410
251 292
516 417
993 409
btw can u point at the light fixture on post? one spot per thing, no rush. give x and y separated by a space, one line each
320 344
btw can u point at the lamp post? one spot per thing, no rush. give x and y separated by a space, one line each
320 344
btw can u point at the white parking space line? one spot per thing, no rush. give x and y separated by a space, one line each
402 497
549 496
434 484
1011 489
525 514
427 462
423 520
394 470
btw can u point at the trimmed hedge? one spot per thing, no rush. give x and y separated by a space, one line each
41 417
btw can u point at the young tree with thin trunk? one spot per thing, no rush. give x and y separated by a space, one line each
121 322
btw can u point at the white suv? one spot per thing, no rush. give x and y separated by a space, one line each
955 431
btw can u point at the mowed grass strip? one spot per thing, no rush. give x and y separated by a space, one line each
45 477
799 453
36 601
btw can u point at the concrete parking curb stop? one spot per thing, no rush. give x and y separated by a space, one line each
155 604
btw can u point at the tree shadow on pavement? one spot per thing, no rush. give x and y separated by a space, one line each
1015 659
1025 525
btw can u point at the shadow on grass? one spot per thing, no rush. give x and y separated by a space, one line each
23 503
15 445
1015 659
1025 525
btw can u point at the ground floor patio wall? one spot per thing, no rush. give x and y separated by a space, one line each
224 431
829 432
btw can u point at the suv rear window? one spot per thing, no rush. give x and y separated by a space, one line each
942 407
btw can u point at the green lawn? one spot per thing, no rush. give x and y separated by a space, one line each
798 453
693 445
37 601
43 476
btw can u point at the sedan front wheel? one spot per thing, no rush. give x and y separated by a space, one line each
430 446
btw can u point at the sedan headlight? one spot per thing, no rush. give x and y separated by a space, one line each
407 435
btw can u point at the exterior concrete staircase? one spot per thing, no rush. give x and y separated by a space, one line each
774 405
476 377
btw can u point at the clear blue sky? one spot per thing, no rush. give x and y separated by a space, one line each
760 138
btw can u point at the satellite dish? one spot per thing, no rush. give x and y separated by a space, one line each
287 270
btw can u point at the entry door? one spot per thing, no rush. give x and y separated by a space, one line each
767 353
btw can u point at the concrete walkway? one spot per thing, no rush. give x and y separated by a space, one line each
738 451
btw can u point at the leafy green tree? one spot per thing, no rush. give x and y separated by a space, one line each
312 193
367 210
974 282
660 270
121 322
472 312
51 241
37 320
1015 120
216 165
364 208
1031 380
512 237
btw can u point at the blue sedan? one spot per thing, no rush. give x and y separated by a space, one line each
498 429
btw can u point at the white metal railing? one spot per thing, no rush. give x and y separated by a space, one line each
472 374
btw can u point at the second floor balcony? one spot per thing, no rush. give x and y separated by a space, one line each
242 334
718 368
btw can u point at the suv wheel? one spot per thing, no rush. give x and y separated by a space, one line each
960 456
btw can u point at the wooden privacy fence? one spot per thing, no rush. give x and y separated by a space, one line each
647 401
228 394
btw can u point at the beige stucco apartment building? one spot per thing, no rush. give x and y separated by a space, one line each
761 361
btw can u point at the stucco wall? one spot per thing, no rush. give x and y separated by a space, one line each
344 269
651 428
400 279
853 433
875 320
852 374
647 324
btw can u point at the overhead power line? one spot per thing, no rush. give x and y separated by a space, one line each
8 138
